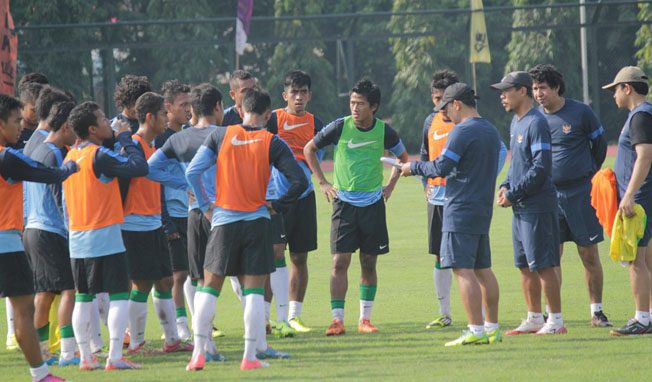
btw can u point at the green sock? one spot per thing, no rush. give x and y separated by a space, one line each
367 292
280 263
138 296
66 331
337 304
44 332
181 312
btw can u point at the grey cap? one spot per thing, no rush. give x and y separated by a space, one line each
458 91
627 74
512 79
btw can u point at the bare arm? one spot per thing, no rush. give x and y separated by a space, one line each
310 151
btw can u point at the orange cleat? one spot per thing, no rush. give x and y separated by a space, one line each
365 327
196 363
336 328
249 365
122 364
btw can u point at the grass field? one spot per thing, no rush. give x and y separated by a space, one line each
406 301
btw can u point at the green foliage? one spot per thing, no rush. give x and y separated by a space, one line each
644 40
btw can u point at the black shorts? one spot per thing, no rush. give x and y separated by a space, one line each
277 229
435 218
199 228
359 227
15 275
535 238
577 218
50 259
240 248
301 224
179 247
101 274
148 257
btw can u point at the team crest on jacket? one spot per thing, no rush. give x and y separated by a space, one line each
520 138
566 128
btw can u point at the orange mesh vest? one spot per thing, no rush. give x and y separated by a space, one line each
437 136
243 169
295 130
91 204
11 213
144 195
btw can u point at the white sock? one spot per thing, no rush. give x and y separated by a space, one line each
280 281
490 326
642 317
253 322
202 323
189 290
365 309
295 309
534 317
103 302
167 314
597 307
137 313
81 316
477 330
556 318
68 347
45 346
237 289
547 310
338 314
117 320
182 328
39 372
95 329
10 318
443 280
268 308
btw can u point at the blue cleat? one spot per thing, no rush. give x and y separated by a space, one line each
271 353
70 361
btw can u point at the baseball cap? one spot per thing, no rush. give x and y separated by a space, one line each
627 74
458 91
520 78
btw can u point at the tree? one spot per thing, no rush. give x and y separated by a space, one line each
644 40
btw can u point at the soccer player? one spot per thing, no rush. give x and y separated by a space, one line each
16 280
179 149
126 94
177 103
296 127
240 240
358 220
469 162
29 93
95 213
528 189
47 97
240 81
148 259
46 239
634 178
579 148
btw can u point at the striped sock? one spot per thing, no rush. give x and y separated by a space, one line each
367 297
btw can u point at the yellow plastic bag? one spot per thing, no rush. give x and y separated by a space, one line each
626 234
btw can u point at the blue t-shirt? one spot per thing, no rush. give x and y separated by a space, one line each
231 117
469 162
579 146
176 200
529 179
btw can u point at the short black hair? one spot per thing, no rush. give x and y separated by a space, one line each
34 77
48 97
443 79
527 88
297 78
82 117
59 113
256 100
239 75
129 89
639 87
550 75
147 103
203 98
171 89
7 105
30 91
369 90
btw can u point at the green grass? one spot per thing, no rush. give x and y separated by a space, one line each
406 301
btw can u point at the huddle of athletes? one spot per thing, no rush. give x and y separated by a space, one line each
555 151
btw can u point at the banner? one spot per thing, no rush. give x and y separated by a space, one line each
245 8
479 49
8 50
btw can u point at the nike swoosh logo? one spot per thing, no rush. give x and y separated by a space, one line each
236 142
80 159
282 236
383 246
437 137
290 127
591 238
530 263
356 145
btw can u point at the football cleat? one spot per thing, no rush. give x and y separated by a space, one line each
50 378
179 346
468 338
336 328
122 364
551 328
440 322
215 357
49 358
282 330
91 365
249 365
127 340
217 333
526 327
297 324
102 353
494 336
600 320
196 363
632 328
365 327
12 344
68 361
271 353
